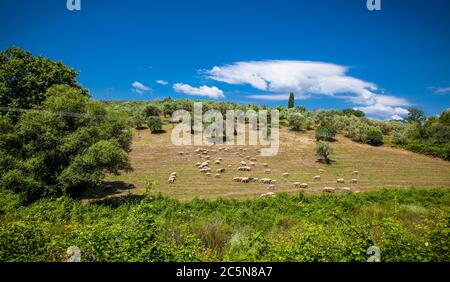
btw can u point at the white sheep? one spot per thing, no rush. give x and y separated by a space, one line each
285 174
329 189
340 180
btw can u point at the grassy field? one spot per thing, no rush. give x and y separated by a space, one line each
154 157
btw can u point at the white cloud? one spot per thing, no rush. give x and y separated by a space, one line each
308 78
440 90
140 88
211 92
162 82
396 117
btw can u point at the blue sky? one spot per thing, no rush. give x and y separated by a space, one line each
330 53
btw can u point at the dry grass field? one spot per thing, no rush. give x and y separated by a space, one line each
154 158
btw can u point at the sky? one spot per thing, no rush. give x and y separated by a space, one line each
332 54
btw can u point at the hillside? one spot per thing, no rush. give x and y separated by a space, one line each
153 157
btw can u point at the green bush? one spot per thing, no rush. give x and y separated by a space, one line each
324 150
292 228
151 110
154 123
374 136
43 145
325 133
296 120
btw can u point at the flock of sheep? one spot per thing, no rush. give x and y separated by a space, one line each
249 165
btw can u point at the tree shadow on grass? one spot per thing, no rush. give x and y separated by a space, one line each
322 161
159 131
107 189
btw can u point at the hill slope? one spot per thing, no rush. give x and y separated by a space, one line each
154 158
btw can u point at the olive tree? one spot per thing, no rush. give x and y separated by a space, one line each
324 150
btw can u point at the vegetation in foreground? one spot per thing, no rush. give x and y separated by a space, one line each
407 225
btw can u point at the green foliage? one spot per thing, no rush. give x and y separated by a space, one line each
296 120
325 133
42 152
24 79
154 123
415 115
291 102
374 136
441 151
303 228
431 138
353 112
324 150
151 110
325 118
88 168
138 120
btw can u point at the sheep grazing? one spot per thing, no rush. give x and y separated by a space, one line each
205 170
301 185
218 175
328 189
208 174
243 163
271 187
273 181
220 159
265 165
321 170
354 181
198 164
244 168
285 174
265 180
340 180
267 195
267 171
247 157
180 153
346 189
355 172
217 162
237 179
254 179
252 164
207 157
172 178
245 179
317 177
220 170
253 159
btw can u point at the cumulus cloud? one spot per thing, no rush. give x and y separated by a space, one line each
140 88
308 78
162 82
440 90
211 92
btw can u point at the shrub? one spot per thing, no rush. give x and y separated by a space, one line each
151 110
154 124
138 120
43 144
296 120
324 150
374 136
325 133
